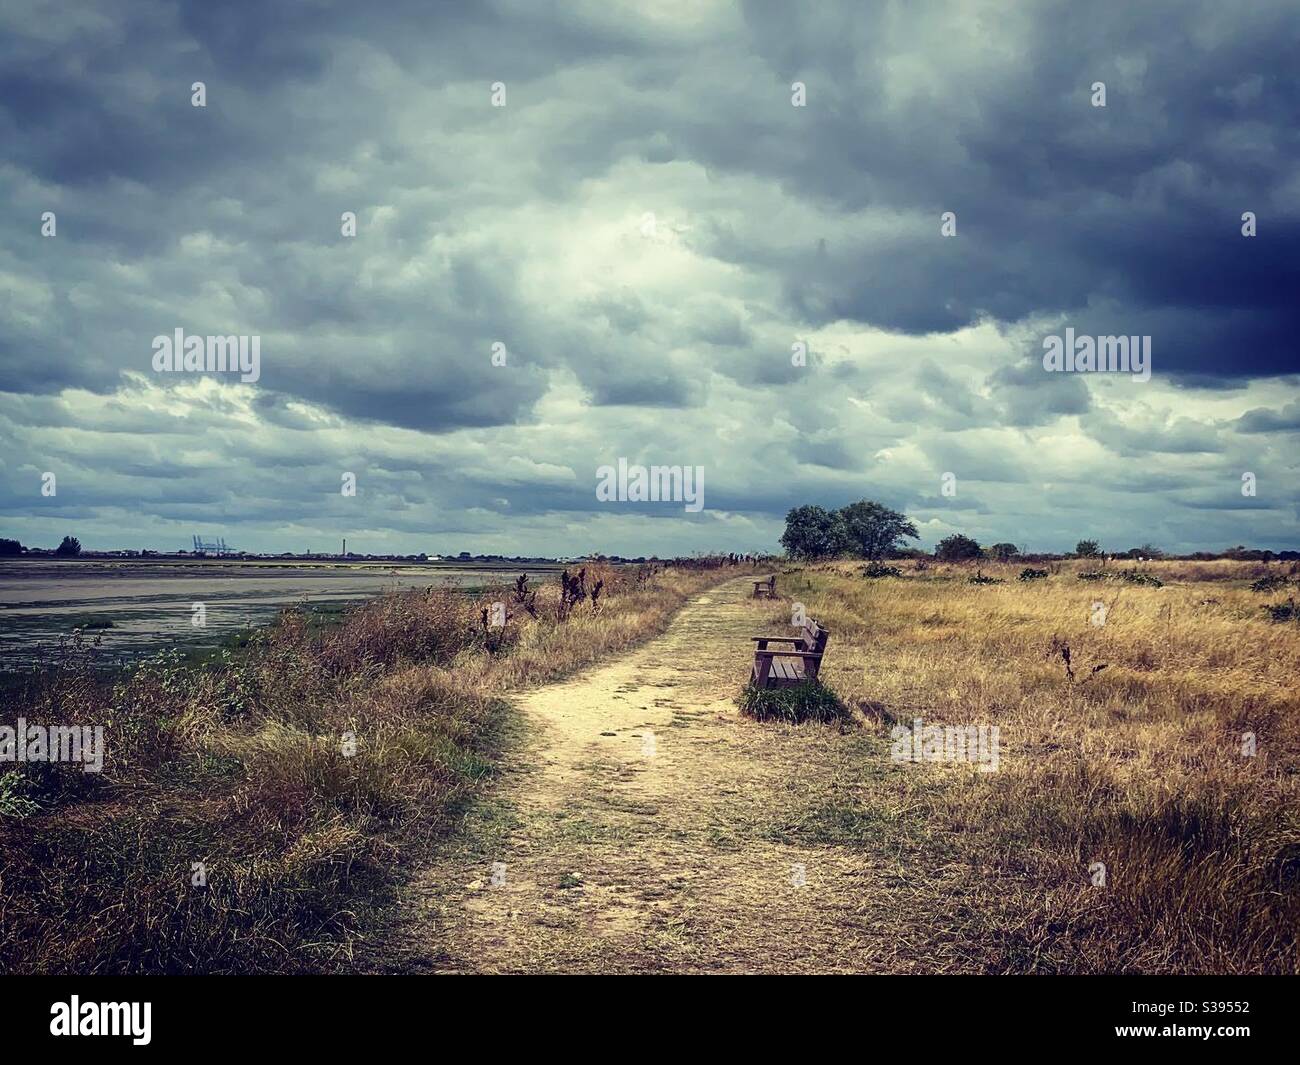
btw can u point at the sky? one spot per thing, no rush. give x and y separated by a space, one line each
813 249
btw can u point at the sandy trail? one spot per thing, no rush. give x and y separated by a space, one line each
640 829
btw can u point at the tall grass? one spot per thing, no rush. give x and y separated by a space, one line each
253 811
1139 767
808 701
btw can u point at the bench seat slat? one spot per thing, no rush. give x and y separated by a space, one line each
786 670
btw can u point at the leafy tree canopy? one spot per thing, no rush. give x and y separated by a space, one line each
812 532
864 529
872 530
957 547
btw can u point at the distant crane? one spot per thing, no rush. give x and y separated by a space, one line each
212 547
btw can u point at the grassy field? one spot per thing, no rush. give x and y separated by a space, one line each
255 810
1143 815
1139 762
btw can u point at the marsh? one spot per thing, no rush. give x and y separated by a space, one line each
134 607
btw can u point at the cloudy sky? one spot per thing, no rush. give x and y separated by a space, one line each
649 225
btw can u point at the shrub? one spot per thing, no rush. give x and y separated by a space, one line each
879 569
810 701
979 578
1269 583
1287 611
1137 577
1131 576
1031 574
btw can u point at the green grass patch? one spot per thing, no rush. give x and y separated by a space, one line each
810 701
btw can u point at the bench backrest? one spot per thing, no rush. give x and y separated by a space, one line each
814 637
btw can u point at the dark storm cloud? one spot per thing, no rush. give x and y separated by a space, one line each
1058 203
522 226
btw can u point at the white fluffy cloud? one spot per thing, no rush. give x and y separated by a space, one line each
647 226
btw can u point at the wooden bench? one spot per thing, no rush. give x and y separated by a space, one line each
765 589
782 669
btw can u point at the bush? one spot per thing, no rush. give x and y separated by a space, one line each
1137 577
1269 584
879 569
810 701
1287 611
1031 574
1131 576
979 578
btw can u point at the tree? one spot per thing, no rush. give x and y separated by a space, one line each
956 547
9 548
1087 549
70 548
812 533
1004 552
1145 551
872 530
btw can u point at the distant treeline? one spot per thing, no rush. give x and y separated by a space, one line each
870 530
69 548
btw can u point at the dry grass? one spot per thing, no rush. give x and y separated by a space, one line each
685 858
1139 766
243 766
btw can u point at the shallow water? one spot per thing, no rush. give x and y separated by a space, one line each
151 603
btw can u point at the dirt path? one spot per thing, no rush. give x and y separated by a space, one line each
646 826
